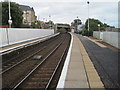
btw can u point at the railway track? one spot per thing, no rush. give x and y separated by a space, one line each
42 73
19 56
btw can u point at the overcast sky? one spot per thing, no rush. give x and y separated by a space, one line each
65 11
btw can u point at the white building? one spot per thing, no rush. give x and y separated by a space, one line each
80 27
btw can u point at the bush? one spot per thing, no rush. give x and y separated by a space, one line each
80 32
91 33
25 26
62 30
86 33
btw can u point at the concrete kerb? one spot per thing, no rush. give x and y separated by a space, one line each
61 81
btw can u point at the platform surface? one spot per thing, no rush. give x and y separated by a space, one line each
76 75
81 72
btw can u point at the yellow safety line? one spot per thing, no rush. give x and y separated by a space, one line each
93 77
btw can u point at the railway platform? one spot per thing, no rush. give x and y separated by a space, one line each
10 48
79 71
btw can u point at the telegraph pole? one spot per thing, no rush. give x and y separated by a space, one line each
50 22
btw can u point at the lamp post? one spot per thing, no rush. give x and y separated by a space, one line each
105 24
77 24
50 22
99 27
9 21
88 17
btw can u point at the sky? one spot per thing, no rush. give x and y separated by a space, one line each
65 11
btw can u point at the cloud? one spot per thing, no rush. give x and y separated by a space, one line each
67 0
65 11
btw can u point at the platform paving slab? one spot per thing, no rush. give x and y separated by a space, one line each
76 75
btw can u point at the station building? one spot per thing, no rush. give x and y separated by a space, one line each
28 14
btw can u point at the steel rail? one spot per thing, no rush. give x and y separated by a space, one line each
17 56
50 80
12 66
37 66
22 61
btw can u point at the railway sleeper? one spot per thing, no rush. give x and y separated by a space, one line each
35 85
38 79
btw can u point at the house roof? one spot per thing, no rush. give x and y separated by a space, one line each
24 7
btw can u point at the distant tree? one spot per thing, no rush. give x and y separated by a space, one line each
35 24
93 23
51 24
0 14
76 22
62 30
16 14
72 24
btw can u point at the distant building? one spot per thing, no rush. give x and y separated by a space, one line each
80 27
28 14
112 29
65 26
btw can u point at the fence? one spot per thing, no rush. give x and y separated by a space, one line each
9 36
112 38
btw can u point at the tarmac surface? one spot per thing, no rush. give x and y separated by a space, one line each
105 61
